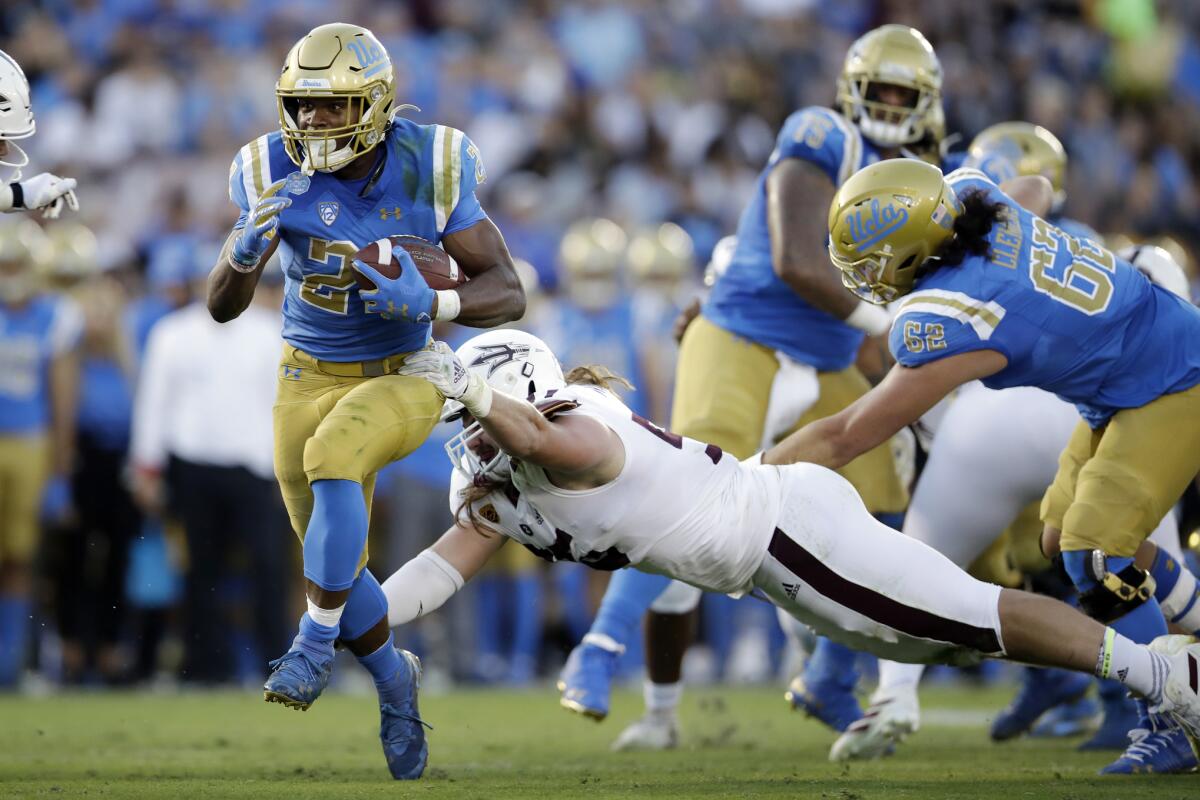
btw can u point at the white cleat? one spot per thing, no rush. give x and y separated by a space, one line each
890 718
1181 692
651 732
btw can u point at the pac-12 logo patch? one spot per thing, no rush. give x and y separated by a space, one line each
489 513
328 211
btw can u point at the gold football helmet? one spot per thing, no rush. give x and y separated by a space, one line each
590 255
885 221
24 252
71 255
1031 149
662 254
336 60
900 56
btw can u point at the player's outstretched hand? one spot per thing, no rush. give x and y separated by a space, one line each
260 228
49 193
406 297
438 365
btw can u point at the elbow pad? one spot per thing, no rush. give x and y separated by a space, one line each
420 586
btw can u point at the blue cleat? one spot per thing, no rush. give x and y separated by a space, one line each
832 704
586 679
1120 717
401 729
297 678
1069 719
1041 690
1166 751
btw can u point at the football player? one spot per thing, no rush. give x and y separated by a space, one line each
989 290
574 475
43 191
779 302
344 171
39 375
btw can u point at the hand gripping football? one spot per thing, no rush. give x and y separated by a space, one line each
437 268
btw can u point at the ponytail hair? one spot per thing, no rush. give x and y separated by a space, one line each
971 228
595 375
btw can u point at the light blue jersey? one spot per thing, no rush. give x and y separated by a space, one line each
426 188
750 300
998 168
603 337
31 336
1070 317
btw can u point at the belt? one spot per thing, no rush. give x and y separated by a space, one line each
353 369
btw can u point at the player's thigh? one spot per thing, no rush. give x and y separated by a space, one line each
24 462
378 421
860 583
873 473
722 387
1061 492
1145 459
1025 540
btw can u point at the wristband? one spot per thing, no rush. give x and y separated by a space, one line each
449 304
238 266
18 195
872 319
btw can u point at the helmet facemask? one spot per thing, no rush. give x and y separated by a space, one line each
884 123
16 115
330 149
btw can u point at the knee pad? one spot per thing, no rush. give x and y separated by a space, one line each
1109 587
677 598
365 606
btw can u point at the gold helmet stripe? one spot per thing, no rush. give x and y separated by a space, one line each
851 147
982 315
447 172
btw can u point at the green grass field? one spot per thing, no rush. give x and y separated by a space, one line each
492 744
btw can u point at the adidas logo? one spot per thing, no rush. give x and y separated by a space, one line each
1121 674
791 589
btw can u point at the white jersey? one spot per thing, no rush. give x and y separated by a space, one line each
678 507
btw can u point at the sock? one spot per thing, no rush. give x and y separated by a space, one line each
630 594
662 698
336 535
894 675
315 639
1144 623
1133 665
366 605
384 666
1176 592
14 628
831 664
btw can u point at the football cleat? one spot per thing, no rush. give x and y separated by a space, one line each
836 706
401 729
1166 751
1181 691
651 732
1120 717
1069 719
586 680
297 678
890 718
1041 690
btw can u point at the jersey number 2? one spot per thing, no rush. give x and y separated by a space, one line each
329 291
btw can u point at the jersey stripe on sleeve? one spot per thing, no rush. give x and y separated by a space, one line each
447 172
983 316
256 169
851 147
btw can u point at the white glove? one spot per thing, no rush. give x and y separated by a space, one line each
48 192
439 366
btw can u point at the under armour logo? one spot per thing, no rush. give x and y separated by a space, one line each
791 589
393 212
497 355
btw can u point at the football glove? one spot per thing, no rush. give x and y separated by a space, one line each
47 192
261 226
439 366
406 297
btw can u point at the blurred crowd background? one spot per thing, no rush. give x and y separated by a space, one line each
639 113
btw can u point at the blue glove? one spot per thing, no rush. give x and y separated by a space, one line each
261 226
56 499
406 298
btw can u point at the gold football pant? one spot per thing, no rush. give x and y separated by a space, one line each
1115 484
344 421
723 385
24 467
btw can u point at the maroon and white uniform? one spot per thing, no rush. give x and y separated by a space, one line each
799 535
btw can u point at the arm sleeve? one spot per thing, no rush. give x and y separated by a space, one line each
457 171
420 586
249 175
923 332
822 138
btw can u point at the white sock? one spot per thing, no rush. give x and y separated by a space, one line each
1182 605
894 675
1133 665
329 617
662 698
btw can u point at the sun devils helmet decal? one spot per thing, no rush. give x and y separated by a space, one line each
497 355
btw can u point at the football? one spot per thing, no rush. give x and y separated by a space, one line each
437 268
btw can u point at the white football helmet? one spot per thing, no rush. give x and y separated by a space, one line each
16 114
1157 264
514 362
